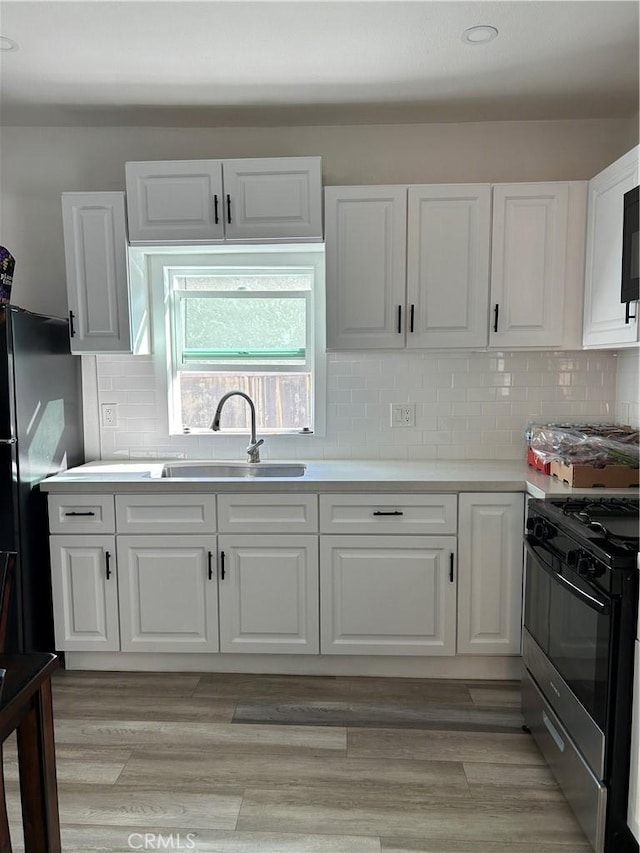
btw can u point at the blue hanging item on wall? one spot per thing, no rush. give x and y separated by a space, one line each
7 265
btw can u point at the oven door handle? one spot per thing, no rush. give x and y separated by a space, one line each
589 600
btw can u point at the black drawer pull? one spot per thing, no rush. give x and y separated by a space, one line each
392 512
228 208
496 311
216 218
107 563
399 319
451 567
80 513
412 312
210 565
222 571
72 331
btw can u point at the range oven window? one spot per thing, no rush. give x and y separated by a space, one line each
571 622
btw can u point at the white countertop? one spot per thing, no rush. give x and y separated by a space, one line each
327 476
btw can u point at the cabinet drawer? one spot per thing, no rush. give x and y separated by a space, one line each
272 513
432 514
81 514
166 513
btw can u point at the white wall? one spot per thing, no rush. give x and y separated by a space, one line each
468 406
38 164
628 388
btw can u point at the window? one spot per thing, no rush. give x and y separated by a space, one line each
249 321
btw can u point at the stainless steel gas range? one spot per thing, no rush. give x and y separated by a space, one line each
580 617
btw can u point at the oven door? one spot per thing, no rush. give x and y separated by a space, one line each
571 621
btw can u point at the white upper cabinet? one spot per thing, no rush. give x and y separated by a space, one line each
448 265
605 318
408 267
95 244
366 232
209 201
175 200
528 264
415 276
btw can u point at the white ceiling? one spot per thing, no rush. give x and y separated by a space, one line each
209 62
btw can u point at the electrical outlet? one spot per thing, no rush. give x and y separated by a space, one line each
109 415
403 414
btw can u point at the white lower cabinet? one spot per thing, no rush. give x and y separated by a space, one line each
85 593
490 573
388 595
269 594
168 593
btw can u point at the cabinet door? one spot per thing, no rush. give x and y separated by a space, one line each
85 593
365 248
528 261
269 594
388 595
173 201
448 238
604 314
95 246
168 593
490 573
277 198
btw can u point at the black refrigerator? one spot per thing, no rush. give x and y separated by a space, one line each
40 435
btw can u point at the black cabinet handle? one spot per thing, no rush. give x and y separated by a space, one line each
451 567
496 311
392 512
216 218
210 565
107 563
399 319
72 331
80 513
411 315
222 571
228 208
627 313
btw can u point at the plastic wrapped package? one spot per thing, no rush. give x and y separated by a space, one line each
585 444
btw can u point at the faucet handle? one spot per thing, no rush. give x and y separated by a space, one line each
252 450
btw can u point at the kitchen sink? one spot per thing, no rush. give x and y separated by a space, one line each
224 470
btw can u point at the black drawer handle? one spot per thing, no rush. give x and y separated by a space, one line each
107 563
412 312
72 331
496 312
451 567
80 513
399 319
210 565
222 571
228 208
216 218
392 512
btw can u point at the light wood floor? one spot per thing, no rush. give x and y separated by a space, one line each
163 755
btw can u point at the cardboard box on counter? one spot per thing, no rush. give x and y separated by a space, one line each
586 476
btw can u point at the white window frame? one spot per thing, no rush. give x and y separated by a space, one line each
163 263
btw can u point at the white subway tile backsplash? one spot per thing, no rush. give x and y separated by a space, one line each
473 406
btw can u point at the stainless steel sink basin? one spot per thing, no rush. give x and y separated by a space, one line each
223 470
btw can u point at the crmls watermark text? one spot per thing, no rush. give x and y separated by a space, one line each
158 841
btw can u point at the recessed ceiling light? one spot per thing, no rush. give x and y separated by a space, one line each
479 35
8 44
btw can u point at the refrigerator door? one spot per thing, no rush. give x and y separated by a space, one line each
44 404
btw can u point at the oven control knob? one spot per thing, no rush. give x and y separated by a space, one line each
584 564
540 530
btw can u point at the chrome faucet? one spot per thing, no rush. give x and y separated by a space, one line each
253 446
